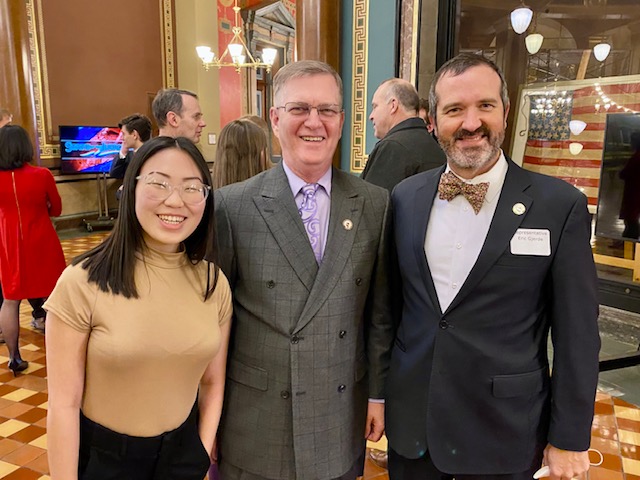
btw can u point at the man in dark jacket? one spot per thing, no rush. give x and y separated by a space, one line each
405 147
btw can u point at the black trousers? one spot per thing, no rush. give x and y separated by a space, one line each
175 455
402 468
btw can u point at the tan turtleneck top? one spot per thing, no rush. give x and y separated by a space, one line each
146 355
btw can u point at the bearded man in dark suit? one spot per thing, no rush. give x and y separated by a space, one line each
491 258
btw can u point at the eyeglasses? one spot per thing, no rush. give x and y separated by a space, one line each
299 109
192 192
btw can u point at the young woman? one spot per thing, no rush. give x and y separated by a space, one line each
241 153
31 258
138 328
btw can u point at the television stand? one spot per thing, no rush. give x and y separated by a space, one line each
104 221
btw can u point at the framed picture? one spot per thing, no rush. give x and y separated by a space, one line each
560 128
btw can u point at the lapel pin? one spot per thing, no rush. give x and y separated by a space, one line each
347 224
519 209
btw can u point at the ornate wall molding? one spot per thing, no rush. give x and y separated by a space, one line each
168 44
409 36
360 49
38 59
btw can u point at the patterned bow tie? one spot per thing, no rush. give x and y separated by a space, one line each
451 186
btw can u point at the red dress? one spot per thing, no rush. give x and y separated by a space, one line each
31 258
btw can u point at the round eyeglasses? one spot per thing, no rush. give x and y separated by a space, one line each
192 192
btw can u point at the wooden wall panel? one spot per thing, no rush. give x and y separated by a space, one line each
102 59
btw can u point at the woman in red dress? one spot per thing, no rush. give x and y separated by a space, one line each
31 258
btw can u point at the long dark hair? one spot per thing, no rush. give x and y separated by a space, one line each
16 148
110 264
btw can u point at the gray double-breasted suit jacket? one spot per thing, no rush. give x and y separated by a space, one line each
307 347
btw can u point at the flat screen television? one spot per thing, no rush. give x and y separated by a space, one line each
88 149
618 214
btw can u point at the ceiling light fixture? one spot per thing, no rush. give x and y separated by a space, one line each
575 148
577 126
521 18
601 51
237 50
533 42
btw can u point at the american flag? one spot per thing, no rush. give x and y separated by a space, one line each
549 136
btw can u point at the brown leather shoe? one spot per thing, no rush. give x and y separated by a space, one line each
379 457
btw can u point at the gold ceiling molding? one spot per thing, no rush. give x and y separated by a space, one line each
168 44
40 78
360 49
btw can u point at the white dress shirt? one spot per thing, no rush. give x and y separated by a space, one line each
455 234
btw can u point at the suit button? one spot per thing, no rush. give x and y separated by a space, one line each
284 394
358 281
271 284
341 388
444 324
295 339
342 334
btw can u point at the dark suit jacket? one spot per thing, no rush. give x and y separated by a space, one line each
304 337
472 384
119 165
407 149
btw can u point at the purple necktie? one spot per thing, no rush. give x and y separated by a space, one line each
309 213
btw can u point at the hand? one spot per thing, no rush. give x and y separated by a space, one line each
375 421
565 464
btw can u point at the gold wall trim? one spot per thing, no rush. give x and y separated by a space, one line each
40 76
414 41
168 44
360 49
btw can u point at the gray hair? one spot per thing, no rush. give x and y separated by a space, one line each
303 68
404 92
168 100
457 66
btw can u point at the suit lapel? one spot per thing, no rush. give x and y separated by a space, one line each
503 226
423 201
346 204
277 206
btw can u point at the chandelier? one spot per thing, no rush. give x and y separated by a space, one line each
237 53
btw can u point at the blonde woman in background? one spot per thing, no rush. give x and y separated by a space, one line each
242 153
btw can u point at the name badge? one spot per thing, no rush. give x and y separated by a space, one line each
531 241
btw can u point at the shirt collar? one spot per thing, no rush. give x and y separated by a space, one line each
495 176
296 183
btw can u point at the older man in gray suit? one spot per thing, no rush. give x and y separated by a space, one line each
304 247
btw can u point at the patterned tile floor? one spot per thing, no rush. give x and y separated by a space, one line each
23 410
